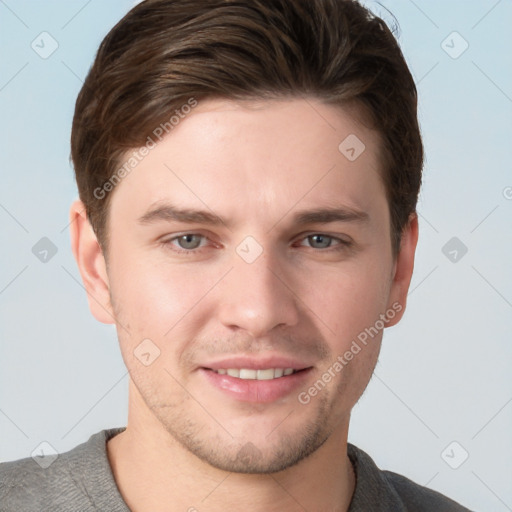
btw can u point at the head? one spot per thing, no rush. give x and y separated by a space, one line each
248 174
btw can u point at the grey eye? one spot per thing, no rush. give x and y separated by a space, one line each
189 241
319 241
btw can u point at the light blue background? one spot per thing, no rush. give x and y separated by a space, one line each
444 372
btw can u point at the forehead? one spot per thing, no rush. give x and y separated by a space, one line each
238 158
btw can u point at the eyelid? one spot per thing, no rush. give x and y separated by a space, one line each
167 241
338 238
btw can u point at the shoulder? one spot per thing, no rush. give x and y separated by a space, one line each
50 483
27 485
385 490
419 498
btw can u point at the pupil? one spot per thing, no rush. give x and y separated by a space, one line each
189 241
321 241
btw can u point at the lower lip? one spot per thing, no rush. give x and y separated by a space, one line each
257 391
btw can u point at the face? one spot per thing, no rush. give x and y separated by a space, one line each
250 253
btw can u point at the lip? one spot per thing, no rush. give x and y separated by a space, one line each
252 390
261 363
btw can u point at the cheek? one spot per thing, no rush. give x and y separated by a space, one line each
156 300
348 299
146 291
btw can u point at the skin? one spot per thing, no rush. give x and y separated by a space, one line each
256 166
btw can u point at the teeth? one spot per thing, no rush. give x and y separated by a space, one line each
249 374
265 374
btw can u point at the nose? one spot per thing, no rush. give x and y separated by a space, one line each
256 298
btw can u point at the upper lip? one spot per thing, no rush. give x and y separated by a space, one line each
256 363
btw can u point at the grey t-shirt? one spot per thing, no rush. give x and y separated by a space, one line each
81 480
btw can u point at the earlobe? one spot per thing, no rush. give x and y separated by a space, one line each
91 263
403 268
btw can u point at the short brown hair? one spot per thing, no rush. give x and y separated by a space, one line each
165 52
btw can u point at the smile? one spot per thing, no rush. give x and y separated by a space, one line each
251 374
260 383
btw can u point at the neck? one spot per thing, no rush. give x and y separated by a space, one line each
151 469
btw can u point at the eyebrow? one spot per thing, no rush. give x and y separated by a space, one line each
326 215
168 213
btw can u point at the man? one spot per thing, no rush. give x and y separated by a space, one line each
248 174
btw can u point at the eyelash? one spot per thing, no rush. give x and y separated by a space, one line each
338 246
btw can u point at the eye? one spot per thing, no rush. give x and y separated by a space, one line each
189 241
320 241
189 244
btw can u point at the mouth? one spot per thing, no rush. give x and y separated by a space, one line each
256 374
260 381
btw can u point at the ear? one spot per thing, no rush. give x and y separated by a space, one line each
402 270
91 264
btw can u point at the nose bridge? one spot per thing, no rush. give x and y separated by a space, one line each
254 297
